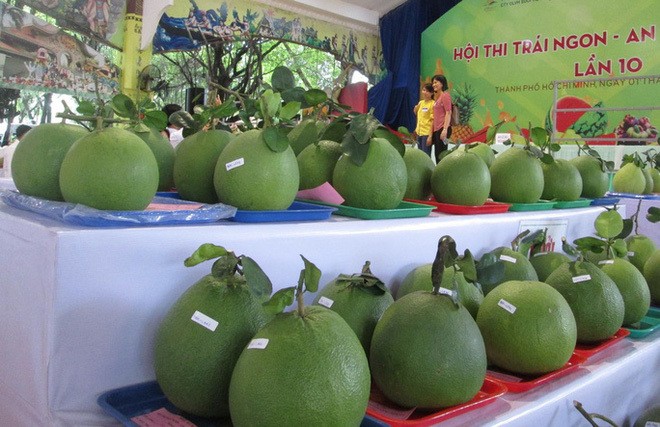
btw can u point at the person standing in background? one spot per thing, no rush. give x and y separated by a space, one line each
7 151
424 112
172 132
441 130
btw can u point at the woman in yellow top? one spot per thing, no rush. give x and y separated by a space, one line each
424 112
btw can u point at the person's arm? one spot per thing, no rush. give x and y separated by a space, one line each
416 108
446 103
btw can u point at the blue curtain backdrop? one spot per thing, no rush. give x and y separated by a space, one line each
394 97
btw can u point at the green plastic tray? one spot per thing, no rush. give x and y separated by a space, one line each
404 210
541 205
649 324
579 203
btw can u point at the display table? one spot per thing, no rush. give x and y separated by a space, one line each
79 306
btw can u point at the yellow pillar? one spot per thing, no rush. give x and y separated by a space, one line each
133 58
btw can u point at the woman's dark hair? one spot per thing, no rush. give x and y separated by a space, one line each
22 130
169 109
429 88
442 79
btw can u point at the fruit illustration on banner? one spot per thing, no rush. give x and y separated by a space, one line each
466 101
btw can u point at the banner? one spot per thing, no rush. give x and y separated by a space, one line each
102 20
514 54
189 24
36 55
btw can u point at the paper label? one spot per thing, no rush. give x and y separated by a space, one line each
161 417
204 320
258 343
326 302
583 278
508 258
501 138
445 291
606 261
235 163
631 253
507 306
652 424
539 254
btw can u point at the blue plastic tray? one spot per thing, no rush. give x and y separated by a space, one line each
604 201
77 214
655 196
298 211
140 399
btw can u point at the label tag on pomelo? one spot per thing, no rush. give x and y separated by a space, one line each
652 424
583 278
631 253
326 302
606 261
235 163
508 258
539 254
507 306
204 320
445 291
258 343
501 138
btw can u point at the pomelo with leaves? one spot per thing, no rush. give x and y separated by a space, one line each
305 367
258 170
427 351
630 177
38 158
545 263
360 299
164 154
202 335
461 178
652 276
562 181
594 172
371 173
640 248
632 285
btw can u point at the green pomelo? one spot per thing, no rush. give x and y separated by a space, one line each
385 133
312 372
302 135
516 177
251 176
629 179
528 327
655 175
485 152
516 267
633 287
419 279
359 306
316 163
652 276
420 168
648 178
593 297
640 248
194 362
427 352
164 154
110 169
379 183
545 263
37 160
595 181
461 178
562 181
194 165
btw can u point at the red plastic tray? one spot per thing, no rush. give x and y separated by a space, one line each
588 350
378 405
487 208
516 383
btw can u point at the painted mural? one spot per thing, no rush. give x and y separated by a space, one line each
189 24
99 19
39 56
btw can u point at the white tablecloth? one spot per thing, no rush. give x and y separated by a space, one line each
79 306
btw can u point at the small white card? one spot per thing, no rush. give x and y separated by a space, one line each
631 253
235 163
583 278
258 343
445 291
326 302
508 258
204 320
501 138
606 261
507 306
